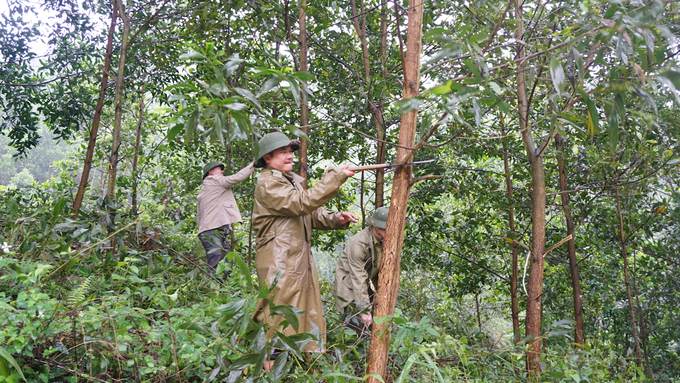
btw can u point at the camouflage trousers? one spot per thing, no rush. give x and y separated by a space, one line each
216 243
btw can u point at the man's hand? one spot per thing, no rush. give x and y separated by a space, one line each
346 216
367 318
344 168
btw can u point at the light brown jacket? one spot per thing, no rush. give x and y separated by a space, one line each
283 218
215 205
357 268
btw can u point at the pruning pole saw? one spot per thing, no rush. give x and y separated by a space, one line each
384 166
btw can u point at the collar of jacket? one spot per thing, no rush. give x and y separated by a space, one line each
289 175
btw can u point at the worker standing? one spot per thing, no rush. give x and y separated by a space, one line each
284 215
217 210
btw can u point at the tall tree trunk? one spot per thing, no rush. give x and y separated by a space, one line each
532 320
579 336
378 115
514 301
643 327
624 253
388 278
97 114
304 107
375 106
117 122
138 139
118 117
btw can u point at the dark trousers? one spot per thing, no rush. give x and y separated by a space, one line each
216 243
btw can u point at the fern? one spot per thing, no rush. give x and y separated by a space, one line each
78 294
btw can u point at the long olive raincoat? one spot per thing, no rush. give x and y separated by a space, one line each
356 274
283 218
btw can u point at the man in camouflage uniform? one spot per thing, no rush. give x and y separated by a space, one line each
284 215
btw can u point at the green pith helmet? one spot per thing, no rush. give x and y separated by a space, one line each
379 217
210 166
271 142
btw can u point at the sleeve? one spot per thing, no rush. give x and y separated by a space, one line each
357 253
280 197
229 181
323 219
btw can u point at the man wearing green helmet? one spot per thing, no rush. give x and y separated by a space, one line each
216 210
284 215
356 274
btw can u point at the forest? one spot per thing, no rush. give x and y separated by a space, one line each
538 242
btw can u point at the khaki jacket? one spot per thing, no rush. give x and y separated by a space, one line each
215 205
357 267
284 215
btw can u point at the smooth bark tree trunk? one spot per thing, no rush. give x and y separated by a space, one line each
117 122
375 106
118 116
388 278
579 336
626 278
532 321
643 327
514 301
138 139
84 178
304 107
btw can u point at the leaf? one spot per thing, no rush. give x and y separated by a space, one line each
579 62
242 128
242 265
496 88
181 85
244 361
192 55
613 131
447 51
407 367
299 133
13 206
193 327
13 362
248 95
294 89
608 23
285 343
213 375
58 207
172 133
280 367
442 89
290 313
627 38
477 107
407 105
236 106
190 127
230 310
232 64
303 76
671 79
557 74
590 125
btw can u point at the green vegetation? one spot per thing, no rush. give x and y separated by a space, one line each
554 127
